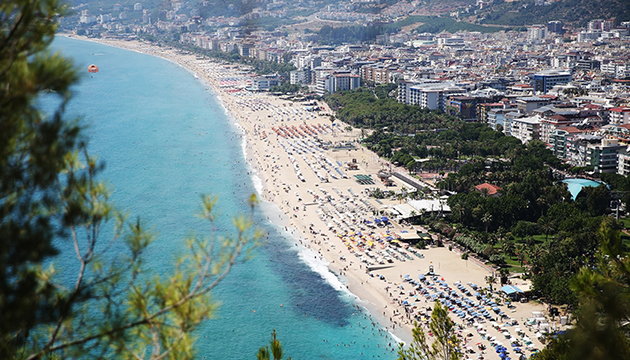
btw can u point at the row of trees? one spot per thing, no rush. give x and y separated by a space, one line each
446 142
361 108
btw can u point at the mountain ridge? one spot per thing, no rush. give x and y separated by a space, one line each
573 12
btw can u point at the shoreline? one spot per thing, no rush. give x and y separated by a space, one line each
300 203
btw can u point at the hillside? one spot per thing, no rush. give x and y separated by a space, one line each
574 12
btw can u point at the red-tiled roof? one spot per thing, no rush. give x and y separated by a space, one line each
571 129
492 189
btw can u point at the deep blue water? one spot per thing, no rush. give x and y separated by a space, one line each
165 140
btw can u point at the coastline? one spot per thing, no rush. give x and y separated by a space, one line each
255 115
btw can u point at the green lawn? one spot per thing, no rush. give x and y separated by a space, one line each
515 265
540 239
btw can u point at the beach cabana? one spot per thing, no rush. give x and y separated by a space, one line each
512 291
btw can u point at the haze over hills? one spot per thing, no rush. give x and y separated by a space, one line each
575 12
446 14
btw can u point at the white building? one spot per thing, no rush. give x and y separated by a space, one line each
86 18
430 95
604 156
619 116
452 41
623 166
616 69
337 82
104 18
300 76
536 32
584 36
526 129
264 82
545 80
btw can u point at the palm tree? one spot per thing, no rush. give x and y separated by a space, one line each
501 233
541 201
459 210
486 219
546 226
507 247
490 280
520 253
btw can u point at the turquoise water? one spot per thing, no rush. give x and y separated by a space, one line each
165 140
576 185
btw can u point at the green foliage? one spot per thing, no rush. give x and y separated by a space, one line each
554 263
32 150
578 12
445 346
434 24
604 296
48 190
557 349
361 108
524 228
603 292
349 34
382 91
276 352
287 88
594 200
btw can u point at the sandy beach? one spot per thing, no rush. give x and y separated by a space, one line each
302 161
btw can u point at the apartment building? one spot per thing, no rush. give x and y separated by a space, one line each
337 82
619 116
526 129
431 95
378 73
526 105
603 156
545 80
623 166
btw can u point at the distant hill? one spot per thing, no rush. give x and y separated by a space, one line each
575 12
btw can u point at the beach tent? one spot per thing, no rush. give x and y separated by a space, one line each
512 291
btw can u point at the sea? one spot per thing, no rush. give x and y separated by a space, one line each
165 140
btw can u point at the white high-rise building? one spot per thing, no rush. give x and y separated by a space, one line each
536 32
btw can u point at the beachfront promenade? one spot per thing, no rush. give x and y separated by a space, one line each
327 209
